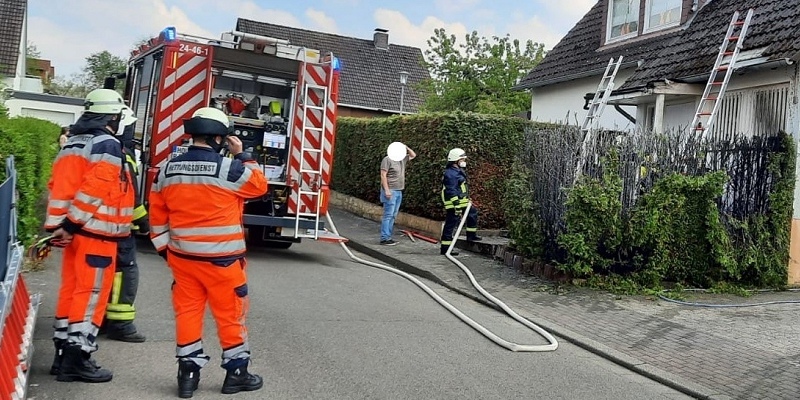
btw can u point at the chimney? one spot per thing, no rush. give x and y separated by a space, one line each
381 39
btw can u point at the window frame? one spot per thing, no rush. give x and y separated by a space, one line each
609 18
646 28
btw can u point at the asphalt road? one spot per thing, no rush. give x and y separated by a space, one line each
323 327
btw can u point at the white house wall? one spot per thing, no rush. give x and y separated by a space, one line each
61 114
551 103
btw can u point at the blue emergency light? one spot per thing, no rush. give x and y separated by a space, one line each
170 34
337 65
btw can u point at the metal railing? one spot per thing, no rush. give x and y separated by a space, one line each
11 250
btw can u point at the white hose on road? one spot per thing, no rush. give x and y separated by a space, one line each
553 344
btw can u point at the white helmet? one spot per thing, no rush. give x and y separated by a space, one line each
128 119
208 121
103 101
456 154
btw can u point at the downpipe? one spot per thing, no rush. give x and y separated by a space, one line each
552 342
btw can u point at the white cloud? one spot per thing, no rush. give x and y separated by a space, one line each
78 32
321 21
454 6
568 12
403 31
536 30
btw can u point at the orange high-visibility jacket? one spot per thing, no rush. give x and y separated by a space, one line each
197 203
91 193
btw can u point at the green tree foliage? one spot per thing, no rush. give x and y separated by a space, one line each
98 67
478 75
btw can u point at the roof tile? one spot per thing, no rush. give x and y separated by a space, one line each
12 15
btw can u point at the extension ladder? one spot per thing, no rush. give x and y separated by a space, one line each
596 107
715 89
311 175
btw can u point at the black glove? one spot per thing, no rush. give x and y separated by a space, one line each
142 225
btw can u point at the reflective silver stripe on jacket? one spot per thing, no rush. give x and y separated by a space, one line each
208 248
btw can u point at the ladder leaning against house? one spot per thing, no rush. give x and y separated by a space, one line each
596 107
715 88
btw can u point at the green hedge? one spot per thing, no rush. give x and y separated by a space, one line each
491 143
674 233
34 144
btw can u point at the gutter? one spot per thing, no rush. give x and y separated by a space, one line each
579 75
374 109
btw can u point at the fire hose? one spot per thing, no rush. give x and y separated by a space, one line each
551 346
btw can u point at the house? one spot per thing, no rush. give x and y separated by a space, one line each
370 82
669 49
23 93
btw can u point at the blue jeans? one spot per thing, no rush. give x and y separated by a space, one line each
391 207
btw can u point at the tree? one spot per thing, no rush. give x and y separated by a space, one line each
479 74
101 65
32 55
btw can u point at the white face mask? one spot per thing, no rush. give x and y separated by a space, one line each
462 164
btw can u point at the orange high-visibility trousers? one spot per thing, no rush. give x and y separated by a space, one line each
87 273
225 289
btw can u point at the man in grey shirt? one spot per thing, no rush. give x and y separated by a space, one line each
393 181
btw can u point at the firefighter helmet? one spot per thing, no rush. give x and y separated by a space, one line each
456 154
103 101
128 117
208 121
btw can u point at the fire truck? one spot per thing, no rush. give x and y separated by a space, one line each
281 100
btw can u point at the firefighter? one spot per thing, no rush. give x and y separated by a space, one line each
455 197
196 209
121 312
90 209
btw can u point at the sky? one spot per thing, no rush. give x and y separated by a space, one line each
67 31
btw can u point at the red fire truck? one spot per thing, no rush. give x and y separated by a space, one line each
281 100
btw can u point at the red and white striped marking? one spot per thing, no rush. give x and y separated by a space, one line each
316 75
183 90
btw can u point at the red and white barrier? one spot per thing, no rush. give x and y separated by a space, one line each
17 320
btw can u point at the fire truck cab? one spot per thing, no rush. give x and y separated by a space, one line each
281 100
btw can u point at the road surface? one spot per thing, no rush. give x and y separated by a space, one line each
323 327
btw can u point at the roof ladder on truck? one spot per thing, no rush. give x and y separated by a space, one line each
596 108
311 175
715 88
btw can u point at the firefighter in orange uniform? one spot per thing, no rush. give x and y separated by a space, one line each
90 209
196 208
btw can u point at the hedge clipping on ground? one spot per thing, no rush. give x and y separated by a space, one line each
491 143
34 144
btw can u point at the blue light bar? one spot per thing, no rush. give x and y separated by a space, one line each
170 34
337 65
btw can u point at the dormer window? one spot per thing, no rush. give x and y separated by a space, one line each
623 19
661 14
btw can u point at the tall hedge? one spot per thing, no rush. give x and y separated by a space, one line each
34 144
491 142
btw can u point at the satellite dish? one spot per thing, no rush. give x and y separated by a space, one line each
397 151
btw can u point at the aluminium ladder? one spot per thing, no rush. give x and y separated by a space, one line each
715 89
596 107
314 175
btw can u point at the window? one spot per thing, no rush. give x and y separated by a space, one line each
662 14
623 19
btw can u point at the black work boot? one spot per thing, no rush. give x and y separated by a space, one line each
133 337
239 379
59 345
77 365
474 238
443 250
188 378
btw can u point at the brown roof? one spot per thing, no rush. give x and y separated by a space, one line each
775 28
581 52
676 54
12 15
370 77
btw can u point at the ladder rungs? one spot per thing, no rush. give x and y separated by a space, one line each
738 23
317 87
733 38
311 150
704 114
306 214
315 107
308 193
309 171
312 128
